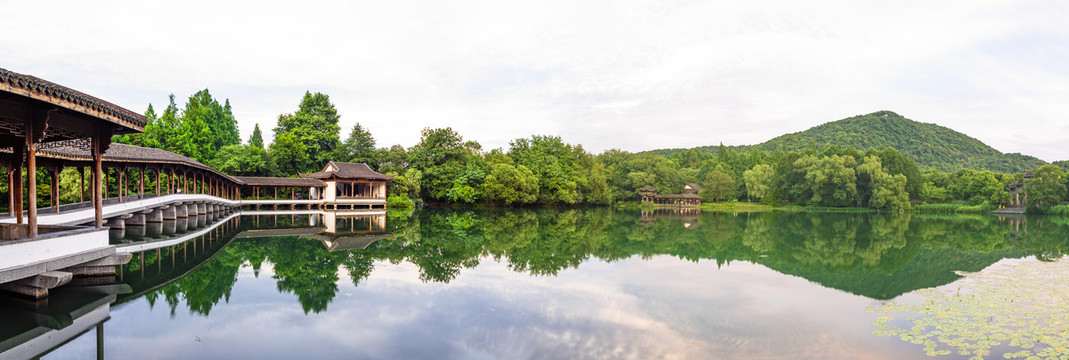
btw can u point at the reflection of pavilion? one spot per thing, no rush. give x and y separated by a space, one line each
337 230
688 215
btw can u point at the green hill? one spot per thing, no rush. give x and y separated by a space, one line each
929 145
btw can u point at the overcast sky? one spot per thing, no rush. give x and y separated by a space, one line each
634 75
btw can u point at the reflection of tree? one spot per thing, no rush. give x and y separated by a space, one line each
442 250
878 256
204 288
306 269
564 240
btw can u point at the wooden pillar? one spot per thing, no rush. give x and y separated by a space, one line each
141 185
31 170
81 184
98 174
55 187
16 186
10 189
159 177
122 185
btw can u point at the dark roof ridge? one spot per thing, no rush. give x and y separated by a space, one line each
59 95
348 170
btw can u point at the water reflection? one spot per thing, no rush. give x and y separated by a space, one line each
605 282
877 256
32 328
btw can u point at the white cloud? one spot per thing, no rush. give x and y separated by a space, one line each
606 74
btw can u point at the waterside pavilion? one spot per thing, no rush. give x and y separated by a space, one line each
689 197
351 186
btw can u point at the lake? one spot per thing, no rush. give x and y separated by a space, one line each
596 283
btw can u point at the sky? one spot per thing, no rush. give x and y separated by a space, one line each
623 74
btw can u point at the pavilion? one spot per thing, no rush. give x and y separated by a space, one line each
351 186
689 197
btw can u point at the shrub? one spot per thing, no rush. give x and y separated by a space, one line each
399 202
938 208
1059 210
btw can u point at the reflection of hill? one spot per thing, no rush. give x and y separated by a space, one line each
930 268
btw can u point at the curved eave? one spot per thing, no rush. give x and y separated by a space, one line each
63 97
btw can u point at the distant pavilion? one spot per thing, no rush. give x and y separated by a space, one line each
689 197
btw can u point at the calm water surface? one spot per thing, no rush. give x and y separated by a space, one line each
596 283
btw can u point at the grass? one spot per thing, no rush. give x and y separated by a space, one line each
954 207
735 206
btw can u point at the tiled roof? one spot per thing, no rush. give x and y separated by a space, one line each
679 196
70 99
346 170
128 153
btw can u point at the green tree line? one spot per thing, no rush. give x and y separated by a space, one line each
543 170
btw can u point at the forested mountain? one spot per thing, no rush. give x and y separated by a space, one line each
929 145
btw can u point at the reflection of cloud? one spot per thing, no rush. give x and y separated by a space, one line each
632 309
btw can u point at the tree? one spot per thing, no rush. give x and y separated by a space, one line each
198 131
566 173
1046 188
360 146
833 181
315 126
868 174
507 185
467 187
242 160
137 139
895 163
206 127
759 181
289 154
441 157
393 159
718 186
889 192
162 132
257 138
985 187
